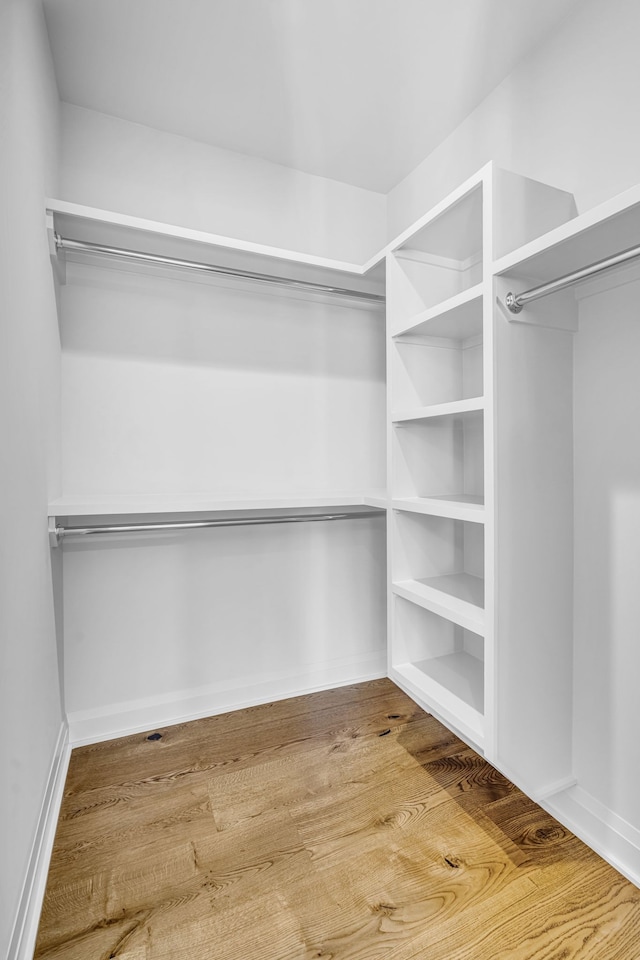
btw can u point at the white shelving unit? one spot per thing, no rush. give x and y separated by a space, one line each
441 429
436 371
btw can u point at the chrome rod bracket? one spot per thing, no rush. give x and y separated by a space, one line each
512 304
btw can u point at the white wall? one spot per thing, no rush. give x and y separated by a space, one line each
179 386
607 549
30 710
567 115
134 169
164 628
175 386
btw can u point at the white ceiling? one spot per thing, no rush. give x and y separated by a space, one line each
355 90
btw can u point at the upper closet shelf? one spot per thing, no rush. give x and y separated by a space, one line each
599 233
461 507
91 226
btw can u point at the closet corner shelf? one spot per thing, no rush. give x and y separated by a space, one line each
454 408
452 686
457 507
457 597
145 505
97 222
458 318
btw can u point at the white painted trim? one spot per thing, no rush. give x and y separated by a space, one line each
23 938
608 834
136 716
539 795
551 789
612 837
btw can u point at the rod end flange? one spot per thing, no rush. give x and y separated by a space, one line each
512 303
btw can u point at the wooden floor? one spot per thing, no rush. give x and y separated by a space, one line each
345 824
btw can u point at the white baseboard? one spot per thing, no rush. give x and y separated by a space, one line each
122 719
23 938
612 837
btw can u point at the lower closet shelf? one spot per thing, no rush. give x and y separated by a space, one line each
83 505
461 506
458 597
452 686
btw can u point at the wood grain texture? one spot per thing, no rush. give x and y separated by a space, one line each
344 825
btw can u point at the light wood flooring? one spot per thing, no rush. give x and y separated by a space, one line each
345 825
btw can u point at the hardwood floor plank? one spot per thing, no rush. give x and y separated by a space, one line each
583 922
83 837
345 825
219 742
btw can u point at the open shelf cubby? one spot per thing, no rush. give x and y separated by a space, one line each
439 565
440 457
438 263
425 372
441 664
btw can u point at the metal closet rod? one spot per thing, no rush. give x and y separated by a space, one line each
62 243
59 533
515 302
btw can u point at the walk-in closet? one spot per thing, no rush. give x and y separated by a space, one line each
321 472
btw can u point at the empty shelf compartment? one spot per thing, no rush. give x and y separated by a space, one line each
440 259
442 664
441 457
426 372
438 563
